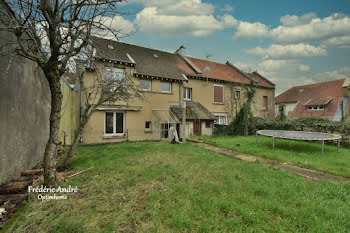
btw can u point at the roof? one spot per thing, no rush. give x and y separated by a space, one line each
319 94
261 80
156 63
194 111
318 102
219 71
149 62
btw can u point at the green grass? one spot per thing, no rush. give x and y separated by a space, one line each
161 187
300 153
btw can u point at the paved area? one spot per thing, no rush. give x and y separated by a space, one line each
296 170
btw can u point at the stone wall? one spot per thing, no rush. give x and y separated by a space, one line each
24 112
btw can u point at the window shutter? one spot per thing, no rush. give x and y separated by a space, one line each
218 94
265 101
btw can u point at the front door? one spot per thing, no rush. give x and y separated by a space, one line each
197 127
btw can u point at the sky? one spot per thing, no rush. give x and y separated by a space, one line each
291 43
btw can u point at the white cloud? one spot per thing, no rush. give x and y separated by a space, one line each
337 42
227 8
317 29
229 21
117 23
246 30
276 51
151 21
304 67
294 20
288 73
281 66
177 18
341 73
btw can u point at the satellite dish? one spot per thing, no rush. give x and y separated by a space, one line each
207 69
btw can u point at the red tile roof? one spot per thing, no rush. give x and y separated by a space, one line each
262 80
219 71
326 93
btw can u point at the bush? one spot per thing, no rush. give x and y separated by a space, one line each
317 124
310 123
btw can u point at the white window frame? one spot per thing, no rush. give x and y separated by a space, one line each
150 125
316 108
150 81
114 70
224 115
114 124
223 93
235 91
161 89
187 90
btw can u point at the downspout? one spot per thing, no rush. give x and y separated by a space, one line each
183 106
81 102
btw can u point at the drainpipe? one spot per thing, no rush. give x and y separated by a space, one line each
183 106
81 103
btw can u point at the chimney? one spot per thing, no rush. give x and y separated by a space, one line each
181 50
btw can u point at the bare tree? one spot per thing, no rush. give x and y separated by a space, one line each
104 87
51 33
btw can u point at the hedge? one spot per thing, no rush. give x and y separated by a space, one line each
307 123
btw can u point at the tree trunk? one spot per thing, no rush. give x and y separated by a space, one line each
55 117
72 148
85 118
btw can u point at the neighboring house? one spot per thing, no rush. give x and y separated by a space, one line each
210 92
24 109
327 99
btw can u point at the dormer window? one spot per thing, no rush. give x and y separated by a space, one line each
316 108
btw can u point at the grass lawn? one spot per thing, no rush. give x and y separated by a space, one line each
300 153
161 187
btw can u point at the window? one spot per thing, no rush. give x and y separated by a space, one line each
265 102
218 94
237 94
207 124
164 129
148 125
220 119
316 108
165 87
145 85
187 93
114 123
112 73
112 76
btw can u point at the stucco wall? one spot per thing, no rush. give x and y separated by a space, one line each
288 109
258 103
24 115
69 114
134 120
202 91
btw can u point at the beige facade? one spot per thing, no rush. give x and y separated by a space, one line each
137 112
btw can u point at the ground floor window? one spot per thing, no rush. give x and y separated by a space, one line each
220 119
207 124
164 130
114 123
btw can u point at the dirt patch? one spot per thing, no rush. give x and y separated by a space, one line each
296 170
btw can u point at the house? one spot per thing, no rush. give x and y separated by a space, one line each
326 99
187 93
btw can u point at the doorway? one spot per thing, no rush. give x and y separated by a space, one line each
197 129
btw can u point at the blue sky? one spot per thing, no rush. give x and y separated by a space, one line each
289 42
